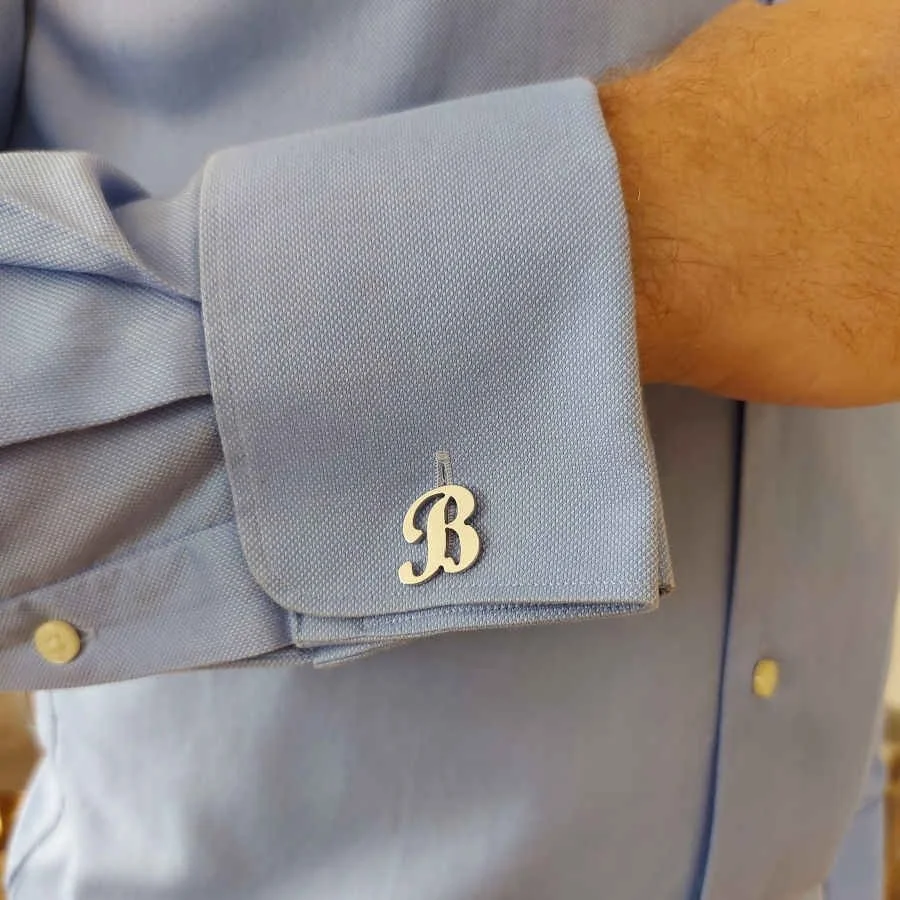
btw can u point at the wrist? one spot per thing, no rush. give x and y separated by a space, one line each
645 147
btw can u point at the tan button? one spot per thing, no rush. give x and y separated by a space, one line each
765 678
57 641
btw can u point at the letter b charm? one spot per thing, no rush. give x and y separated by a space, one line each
437 532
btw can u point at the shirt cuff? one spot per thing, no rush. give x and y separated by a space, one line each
422 326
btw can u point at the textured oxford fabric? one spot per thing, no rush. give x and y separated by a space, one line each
517 356
622 756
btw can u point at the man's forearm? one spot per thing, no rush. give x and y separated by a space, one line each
631 126
763 200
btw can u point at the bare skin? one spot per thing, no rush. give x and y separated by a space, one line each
761 173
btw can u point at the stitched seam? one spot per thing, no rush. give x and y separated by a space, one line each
104 422
159 288
136 556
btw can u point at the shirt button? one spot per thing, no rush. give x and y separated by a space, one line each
57 641
765 678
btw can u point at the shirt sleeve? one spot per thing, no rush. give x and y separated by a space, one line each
233 419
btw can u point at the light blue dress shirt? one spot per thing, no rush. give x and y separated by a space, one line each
261 265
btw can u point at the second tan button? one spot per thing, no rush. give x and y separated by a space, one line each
766 674
57 641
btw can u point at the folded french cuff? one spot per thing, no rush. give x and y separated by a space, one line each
421 343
